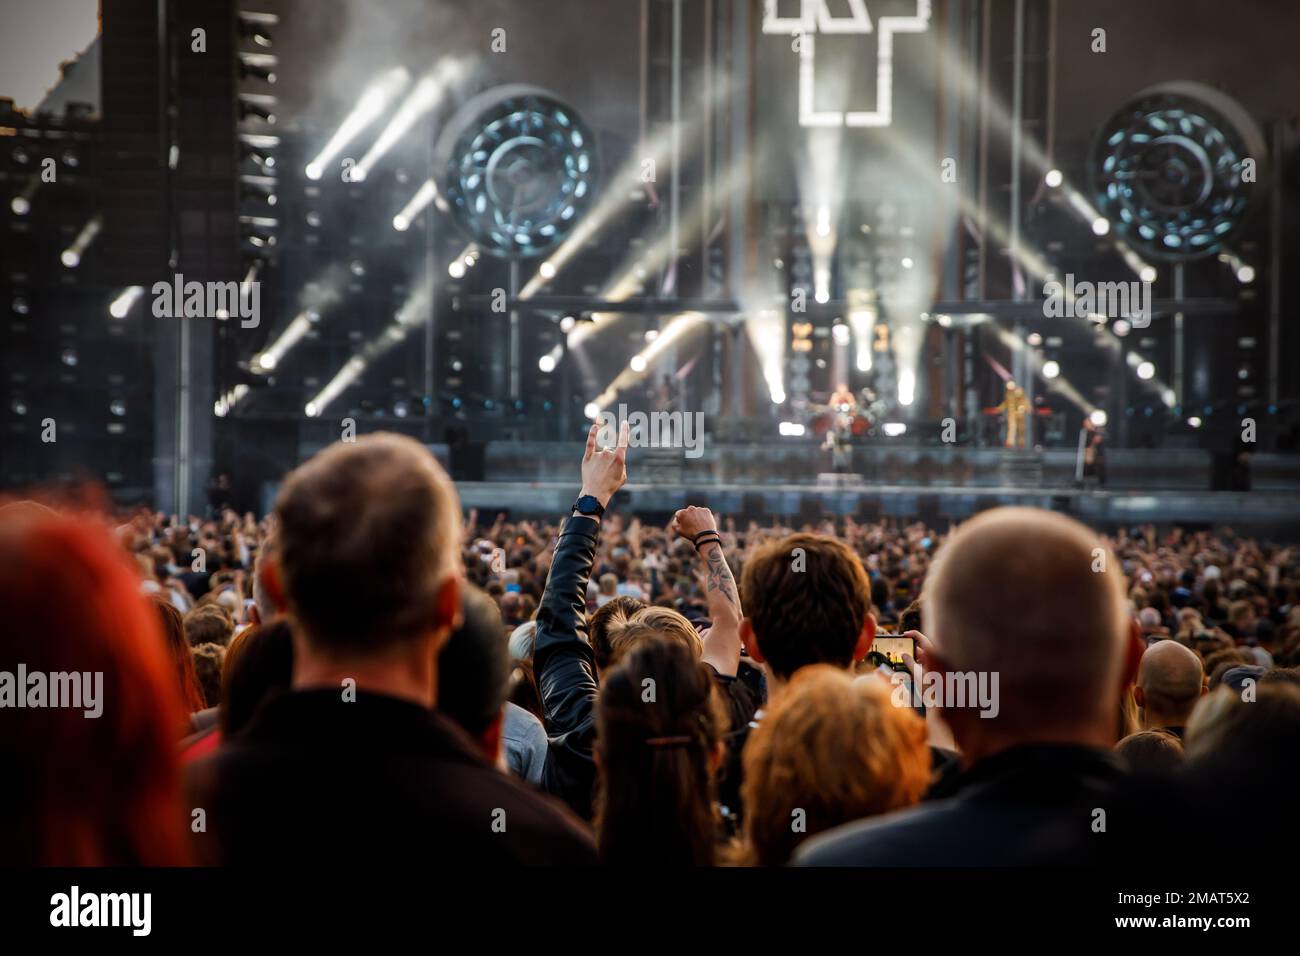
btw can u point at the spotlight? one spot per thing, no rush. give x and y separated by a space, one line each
823 220
894 429
267 361
256 27
1146 371
908 262
651 334
1035 339
20 205
373 101
638 363
121 306
1246 274
1098 418
1051 369
257 69
1100 226
546 364
70 258
840 334
428 92
456 268
1194 421
567 323
1121 327
1148 274
591 410
906 387
791 429
1054 178
312 410
259 107
547 270
427 193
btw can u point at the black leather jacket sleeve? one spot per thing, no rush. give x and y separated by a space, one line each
565 668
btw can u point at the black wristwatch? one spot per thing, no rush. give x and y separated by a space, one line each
589 505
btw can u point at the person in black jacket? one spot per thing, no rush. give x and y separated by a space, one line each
564 662
353 764
1036 600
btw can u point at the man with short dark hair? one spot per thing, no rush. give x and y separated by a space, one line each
353 762
807 601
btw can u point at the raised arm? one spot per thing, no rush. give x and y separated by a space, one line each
563 662
722 640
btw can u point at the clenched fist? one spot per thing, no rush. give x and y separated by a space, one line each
691 520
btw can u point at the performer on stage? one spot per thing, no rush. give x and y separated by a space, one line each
1015 407
842 399
1094 455
843 410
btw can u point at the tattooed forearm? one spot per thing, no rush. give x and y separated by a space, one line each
720 578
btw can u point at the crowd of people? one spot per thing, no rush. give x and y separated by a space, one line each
369 667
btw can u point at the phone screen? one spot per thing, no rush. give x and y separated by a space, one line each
892 647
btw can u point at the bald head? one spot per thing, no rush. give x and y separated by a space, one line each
367 538
1169 683
1035 597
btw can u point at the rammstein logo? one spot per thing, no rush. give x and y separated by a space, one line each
815 17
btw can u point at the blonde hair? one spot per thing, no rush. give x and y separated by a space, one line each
832 749
625 631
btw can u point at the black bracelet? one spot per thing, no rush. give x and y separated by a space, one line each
704 538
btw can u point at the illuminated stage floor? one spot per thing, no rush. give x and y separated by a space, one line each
1267 512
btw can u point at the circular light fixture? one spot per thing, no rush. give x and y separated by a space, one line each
517 167
1168 170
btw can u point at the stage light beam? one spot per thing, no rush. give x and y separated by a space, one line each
373 101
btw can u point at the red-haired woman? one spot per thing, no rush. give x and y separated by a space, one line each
173 628
89 760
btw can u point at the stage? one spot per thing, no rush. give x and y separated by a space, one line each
1265 513
936 484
